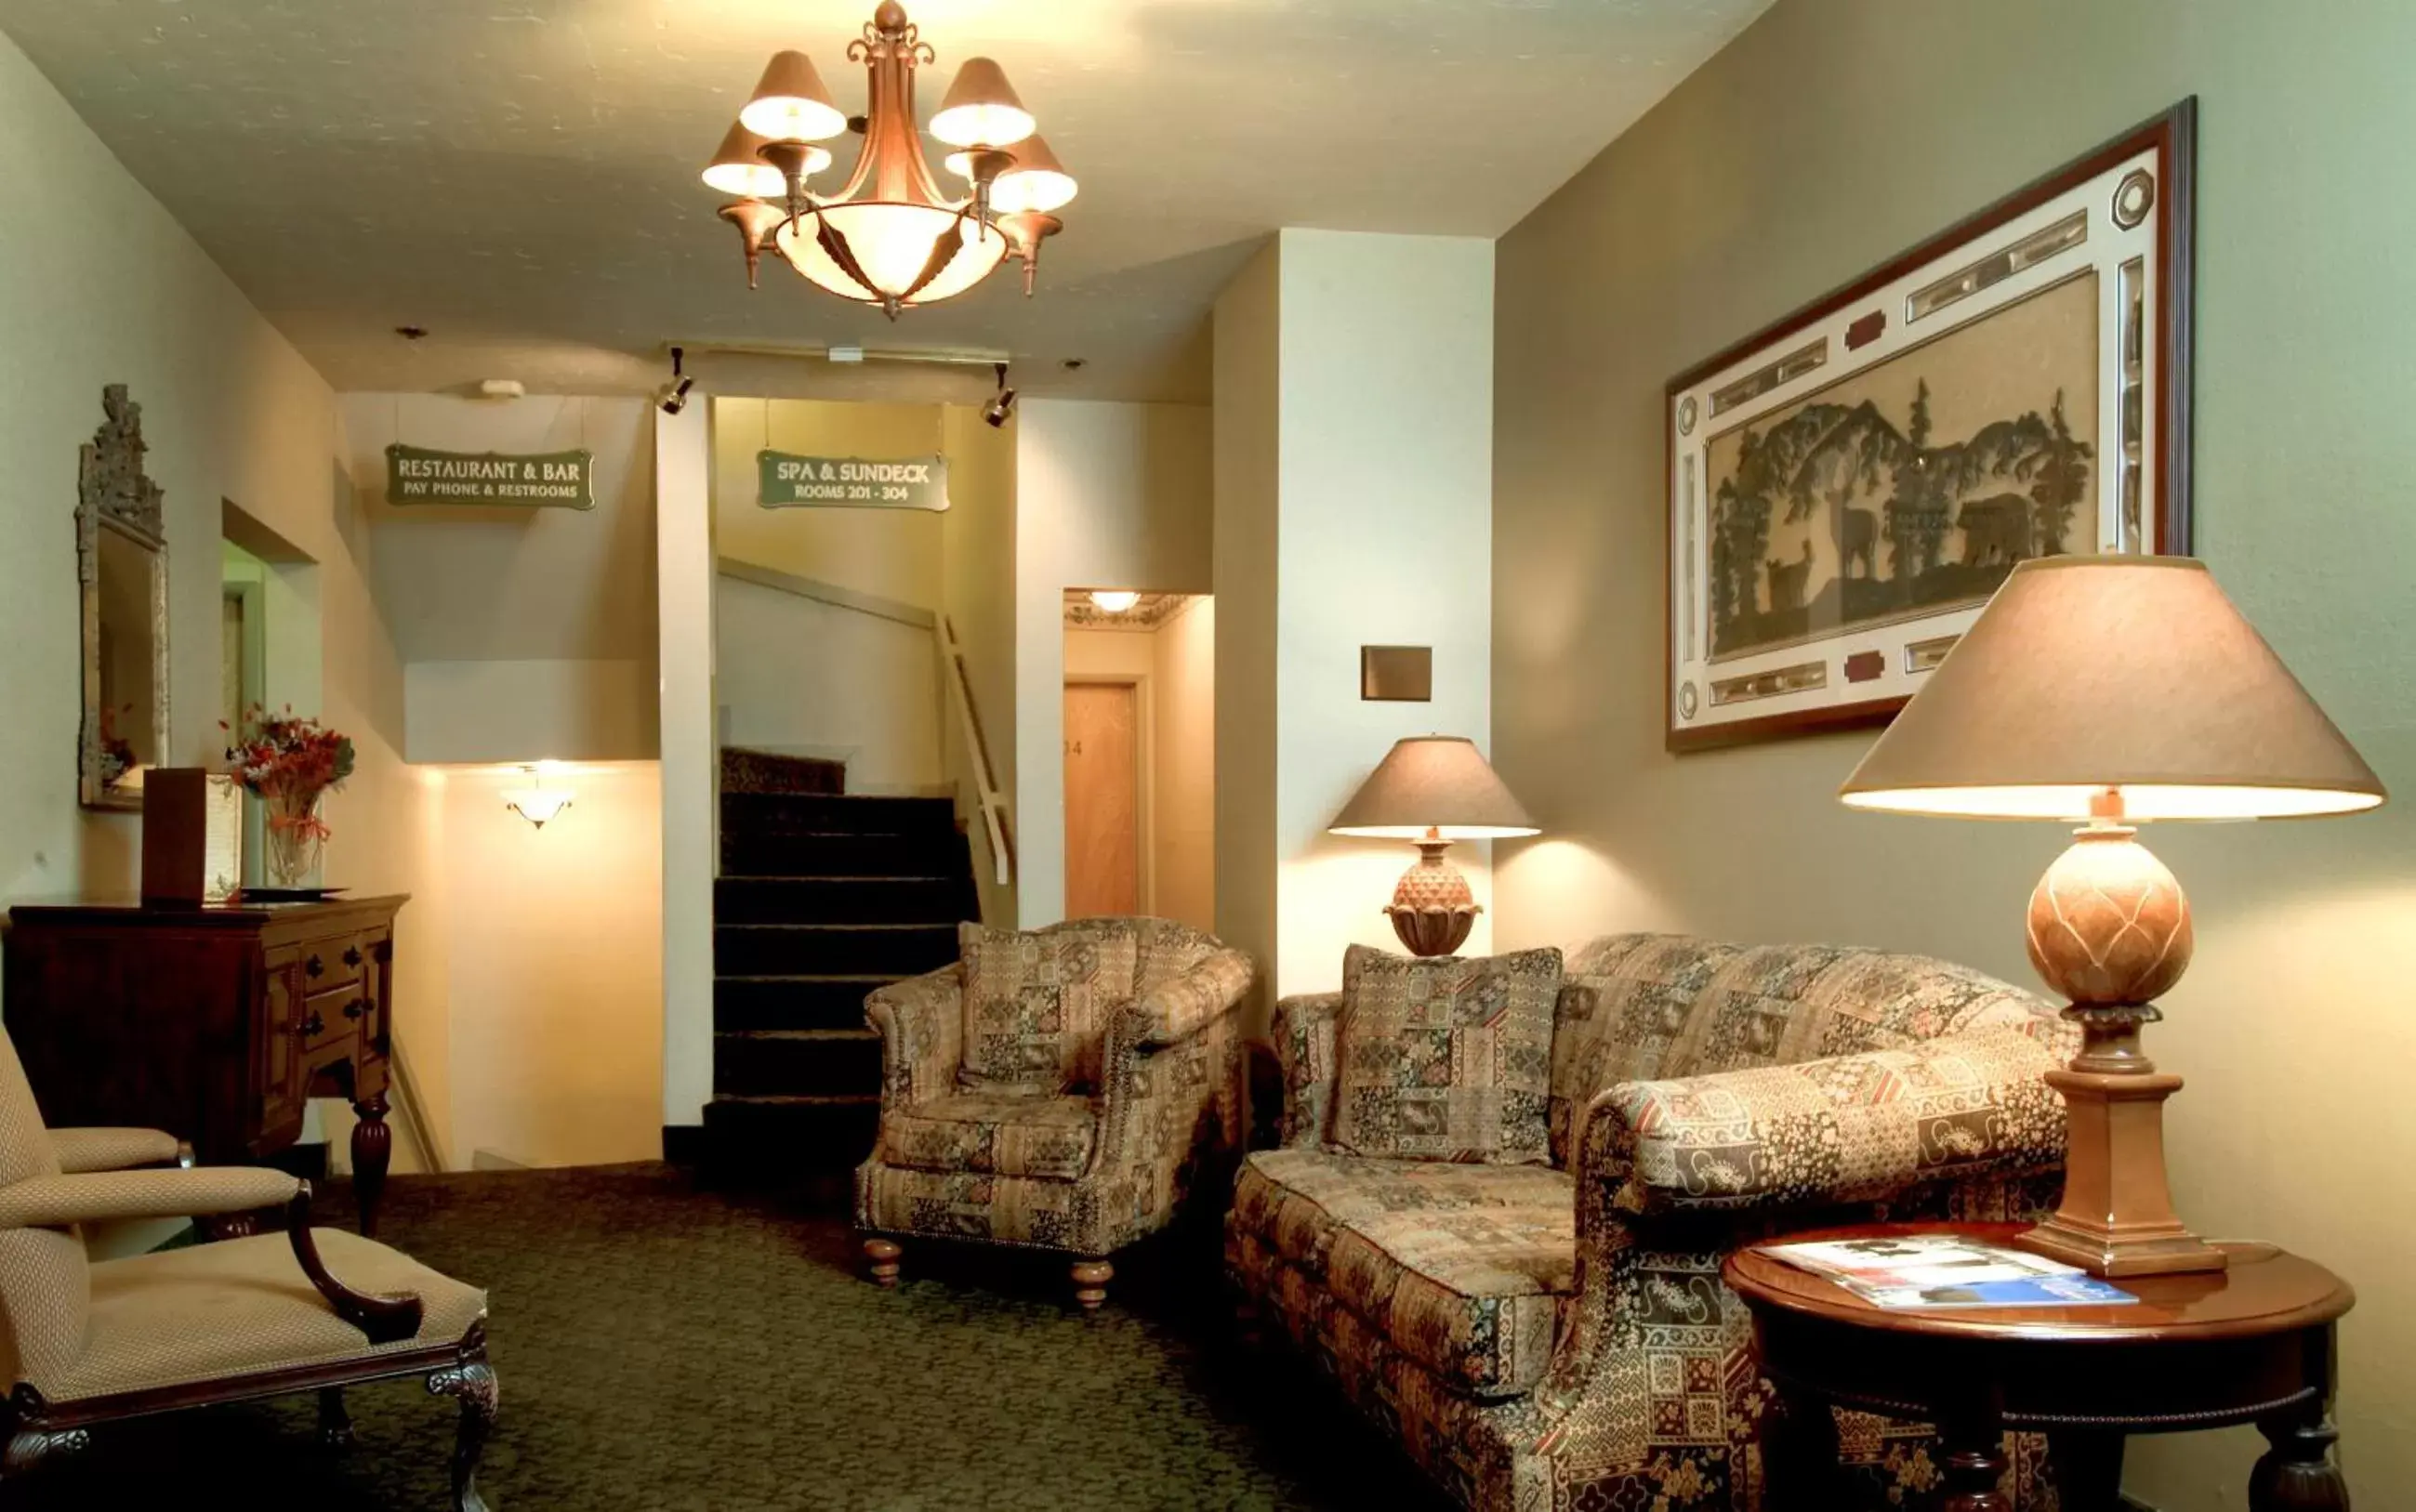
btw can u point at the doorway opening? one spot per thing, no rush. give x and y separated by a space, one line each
1139 755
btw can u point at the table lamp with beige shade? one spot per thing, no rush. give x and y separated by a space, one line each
1432 789
2113 691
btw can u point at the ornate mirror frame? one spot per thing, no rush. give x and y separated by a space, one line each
115 495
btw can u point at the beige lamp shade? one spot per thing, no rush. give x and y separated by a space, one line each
2130 673
1037 181
1438 782
981 108
738 168
792 104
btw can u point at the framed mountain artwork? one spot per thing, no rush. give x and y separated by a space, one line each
1848 487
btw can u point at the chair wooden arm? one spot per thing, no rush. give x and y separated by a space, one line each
385 1320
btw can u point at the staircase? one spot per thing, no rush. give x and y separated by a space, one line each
823 897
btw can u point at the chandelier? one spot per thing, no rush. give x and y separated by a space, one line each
890 237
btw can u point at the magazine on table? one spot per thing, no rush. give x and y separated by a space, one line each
1946 1270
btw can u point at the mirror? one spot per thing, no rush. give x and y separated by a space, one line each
122 565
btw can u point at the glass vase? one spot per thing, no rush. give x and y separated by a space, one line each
295 835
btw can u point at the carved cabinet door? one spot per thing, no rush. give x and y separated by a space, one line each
279 1062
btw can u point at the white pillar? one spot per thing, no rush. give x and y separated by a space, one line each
1354 478
684 594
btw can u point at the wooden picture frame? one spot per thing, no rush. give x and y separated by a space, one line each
1847 485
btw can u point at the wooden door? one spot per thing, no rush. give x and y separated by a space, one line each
1102 800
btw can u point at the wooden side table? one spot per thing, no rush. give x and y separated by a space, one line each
2252 1344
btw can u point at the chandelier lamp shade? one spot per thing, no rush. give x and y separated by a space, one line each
890 237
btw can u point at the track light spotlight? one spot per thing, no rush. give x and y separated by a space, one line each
1003 404
673 397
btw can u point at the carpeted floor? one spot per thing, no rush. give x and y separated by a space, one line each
662 1347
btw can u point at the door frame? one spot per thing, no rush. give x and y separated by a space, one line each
1144 778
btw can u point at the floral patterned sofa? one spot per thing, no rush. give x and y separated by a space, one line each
1552 1337
1133 1102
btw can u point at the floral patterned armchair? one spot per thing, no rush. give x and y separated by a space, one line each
1068 1099
1549 1338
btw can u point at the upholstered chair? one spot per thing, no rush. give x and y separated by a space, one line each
88 1343
1060 1090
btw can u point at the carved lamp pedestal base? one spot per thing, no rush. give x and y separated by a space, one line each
2110 929
1432 909
2117 1217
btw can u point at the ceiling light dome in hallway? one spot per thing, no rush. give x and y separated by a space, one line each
890 237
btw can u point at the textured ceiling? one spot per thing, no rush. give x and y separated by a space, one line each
519 176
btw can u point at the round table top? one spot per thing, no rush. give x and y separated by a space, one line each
2266 1291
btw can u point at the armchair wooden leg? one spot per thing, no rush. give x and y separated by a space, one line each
473 1384
1091 1278
1245 1323
335 1423
880 1261
32 1447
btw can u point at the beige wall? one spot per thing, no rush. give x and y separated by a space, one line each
101 286
1173 667
556 967
495 709
805 677
1743 195
1360 515
1184 829
1107 496
977 578
684 564
894 553
1247 327
529 634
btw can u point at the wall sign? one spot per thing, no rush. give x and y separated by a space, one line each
785 481
417 475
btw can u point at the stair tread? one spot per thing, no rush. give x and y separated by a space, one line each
769 924
829 876
876 978
849 797
801 1100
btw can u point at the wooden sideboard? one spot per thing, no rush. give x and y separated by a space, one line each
213 1023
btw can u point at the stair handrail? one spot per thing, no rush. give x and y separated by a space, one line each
997 830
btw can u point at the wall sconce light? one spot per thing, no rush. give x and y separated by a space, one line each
536 802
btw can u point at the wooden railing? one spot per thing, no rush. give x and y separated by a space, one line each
997 827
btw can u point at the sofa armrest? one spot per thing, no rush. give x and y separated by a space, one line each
922 1034
79 1151
1176 1009
1304 1031
1849 1129
99 1196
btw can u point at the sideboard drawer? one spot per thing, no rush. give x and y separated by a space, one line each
333 962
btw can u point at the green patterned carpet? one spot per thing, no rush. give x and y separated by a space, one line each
662 1347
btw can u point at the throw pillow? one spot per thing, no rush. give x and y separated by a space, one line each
1446 1060
1037 1005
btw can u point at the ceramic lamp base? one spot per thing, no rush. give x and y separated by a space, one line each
1432 909
2110 929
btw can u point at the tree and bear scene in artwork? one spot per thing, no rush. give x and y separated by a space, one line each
1834 513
